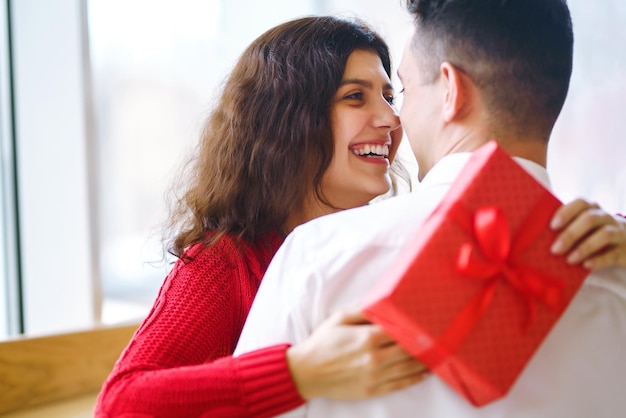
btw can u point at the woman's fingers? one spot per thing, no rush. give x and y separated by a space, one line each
568 212
399 383
398 370
609 258
589 235
575 221
399 363
372 334
346 359
390 368
348 318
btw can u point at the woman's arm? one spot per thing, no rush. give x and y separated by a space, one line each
178 363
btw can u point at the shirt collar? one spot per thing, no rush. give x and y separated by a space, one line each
449 167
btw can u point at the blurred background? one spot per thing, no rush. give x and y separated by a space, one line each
102 100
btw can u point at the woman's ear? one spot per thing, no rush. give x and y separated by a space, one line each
456 92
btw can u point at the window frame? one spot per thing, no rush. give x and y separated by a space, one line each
52 112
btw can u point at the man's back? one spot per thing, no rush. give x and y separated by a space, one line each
332 264
472 71
579 371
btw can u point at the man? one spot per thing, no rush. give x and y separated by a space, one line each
473 70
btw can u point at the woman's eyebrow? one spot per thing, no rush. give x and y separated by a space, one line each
364 83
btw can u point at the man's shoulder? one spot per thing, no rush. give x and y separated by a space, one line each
341 238
611 280
385 212
360 224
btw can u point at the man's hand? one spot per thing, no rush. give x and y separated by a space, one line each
589 235
348 358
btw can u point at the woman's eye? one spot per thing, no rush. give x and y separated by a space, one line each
354 96
391 99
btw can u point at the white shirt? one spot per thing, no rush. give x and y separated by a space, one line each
331 263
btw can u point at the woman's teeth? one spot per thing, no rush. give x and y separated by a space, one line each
372 150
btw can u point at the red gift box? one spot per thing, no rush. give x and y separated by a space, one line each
474 293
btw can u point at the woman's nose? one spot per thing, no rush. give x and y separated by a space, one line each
386 115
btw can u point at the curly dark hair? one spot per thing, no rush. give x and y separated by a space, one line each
268 141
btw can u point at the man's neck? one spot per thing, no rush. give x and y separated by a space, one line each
468 140
529 149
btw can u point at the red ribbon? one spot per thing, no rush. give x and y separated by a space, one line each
499 262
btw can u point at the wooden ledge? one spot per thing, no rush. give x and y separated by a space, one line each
34 371
81 407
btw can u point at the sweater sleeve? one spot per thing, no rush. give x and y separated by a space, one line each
178 363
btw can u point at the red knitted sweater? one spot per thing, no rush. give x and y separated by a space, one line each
179 362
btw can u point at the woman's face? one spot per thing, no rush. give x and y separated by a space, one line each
366 132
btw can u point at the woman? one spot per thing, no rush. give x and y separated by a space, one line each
304 127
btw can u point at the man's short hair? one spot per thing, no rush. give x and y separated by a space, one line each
518 52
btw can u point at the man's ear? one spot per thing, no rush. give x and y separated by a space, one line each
456 93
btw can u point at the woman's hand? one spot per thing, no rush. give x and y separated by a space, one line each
589 235
348 358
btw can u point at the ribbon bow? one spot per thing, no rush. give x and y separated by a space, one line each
499 262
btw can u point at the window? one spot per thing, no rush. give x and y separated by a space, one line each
50 111
9 293
587 150
101 100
